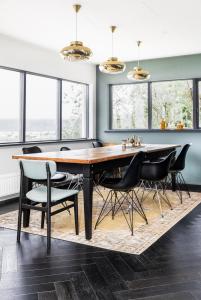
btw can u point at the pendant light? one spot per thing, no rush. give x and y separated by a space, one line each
76 51
138 73
112 65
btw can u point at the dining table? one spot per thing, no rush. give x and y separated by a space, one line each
92 161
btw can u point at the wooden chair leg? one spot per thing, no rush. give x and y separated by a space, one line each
43 216
76 215
19 220
48 229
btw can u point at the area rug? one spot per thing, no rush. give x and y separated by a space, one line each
113 234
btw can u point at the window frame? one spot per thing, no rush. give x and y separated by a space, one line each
195 108
22 129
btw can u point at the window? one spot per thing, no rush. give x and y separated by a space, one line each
10 112
199 95
74 103
130 106
172 100
41 108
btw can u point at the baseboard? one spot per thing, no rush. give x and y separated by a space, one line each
9 200
193 188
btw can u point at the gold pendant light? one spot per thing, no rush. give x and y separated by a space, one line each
138 73
76 51
112 65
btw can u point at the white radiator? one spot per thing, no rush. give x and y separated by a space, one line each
9 184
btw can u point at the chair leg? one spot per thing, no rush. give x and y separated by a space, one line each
19 220
76 215
48 229
43 216
159 200
185 185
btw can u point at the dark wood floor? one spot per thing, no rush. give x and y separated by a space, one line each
170 269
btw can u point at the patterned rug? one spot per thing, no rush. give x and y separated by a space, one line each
113 234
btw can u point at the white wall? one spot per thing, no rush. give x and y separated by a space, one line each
21 55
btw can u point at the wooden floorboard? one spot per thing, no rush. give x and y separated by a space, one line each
169 270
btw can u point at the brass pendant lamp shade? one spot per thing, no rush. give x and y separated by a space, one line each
112 65
76 51
138 73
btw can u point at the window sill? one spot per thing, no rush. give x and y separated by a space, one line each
44 142
151 130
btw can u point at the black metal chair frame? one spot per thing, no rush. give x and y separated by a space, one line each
159 185
123 198
45 208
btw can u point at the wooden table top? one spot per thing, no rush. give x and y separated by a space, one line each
94 155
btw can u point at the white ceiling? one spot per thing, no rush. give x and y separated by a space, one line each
166 27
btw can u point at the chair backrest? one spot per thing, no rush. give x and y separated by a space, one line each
30 150
157 170
179 164
64 148
132 175
37 169
97 144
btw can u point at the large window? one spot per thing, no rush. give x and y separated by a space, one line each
37 108
130 106
10 106
143 105
173 101
74 118
199 95
41 108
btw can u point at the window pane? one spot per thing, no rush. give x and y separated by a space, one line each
10 106
130 106
199 103
173 101
41 108
73 110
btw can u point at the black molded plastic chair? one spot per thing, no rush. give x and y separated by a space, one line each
122 192
46 196
64 148
97 144
177 179
58 177
152 174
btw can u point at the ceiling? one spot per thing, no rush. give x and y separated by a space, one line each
166 27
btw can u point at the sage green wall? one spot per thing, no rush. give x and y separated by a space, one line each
164 68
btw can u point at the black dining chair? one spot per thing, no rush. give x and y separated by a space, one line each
64 148
175 171
75 180
58 177
122 194
97 144
153 173
44 197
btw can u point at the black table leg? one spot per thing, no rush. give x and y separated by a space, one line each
88 200
26 212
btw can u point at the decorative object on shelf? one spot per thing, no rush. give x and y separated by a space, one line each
138 73
163 124
112 65
76 51
180 125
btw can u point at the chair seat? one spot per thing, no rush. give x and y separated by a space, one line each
39 194
111 183
58 177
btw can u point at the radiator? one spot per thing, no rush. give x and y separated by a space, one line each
9 184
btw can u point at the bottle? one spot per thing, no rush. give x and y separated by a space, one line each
123 145
162 124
